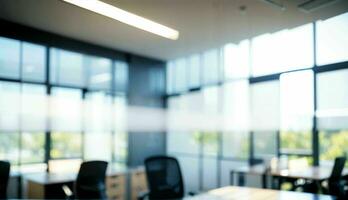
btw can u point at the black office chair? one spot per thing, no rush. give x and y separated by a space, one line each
164 178
90 182
4 177
334 185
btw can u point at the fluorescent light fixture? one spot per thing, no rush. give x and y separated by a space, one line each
126 17
275 4
313 5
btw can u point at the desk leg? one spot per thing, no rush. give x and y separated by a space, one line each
241 179
19 187
264 180
275 182
232 178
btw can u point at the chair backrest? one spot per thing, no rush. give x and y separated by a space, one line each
337 169
4 176
164 177
90 182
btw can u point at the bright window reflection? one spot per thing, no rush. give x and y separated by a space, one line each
332 42
236 60
282 51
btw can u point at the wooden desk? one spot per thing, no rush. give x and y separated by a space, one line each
308 173
245 193
49 186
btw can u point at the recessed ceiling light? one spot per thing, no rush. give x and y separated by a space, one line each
126 17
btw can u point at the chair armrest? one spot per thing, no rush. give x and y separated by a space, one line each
142 195
67 191
192 193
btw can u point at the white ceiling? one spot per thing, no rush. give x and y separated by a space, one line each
203 24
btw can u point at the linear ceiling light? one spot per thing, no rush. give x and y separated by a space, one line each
126 17
313 5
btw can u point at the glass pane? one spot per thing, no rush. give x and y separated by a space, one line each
34 62
9 58
265 106
237 60
120 135
9 106
99 73
265 144
297 111
332 114
181 80
9 147
97 139
170 75
194 64
235 109
190 172
282 51
332 144
332 42
33 147
66 109
211 107
211 70
98 126
34 106
121 76
235 145
66 123
66 145
210 143
67 68
182 141
210 170
265 116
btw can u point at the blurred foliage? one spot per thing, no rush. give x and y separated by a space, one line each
333 144
297 141
66 145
